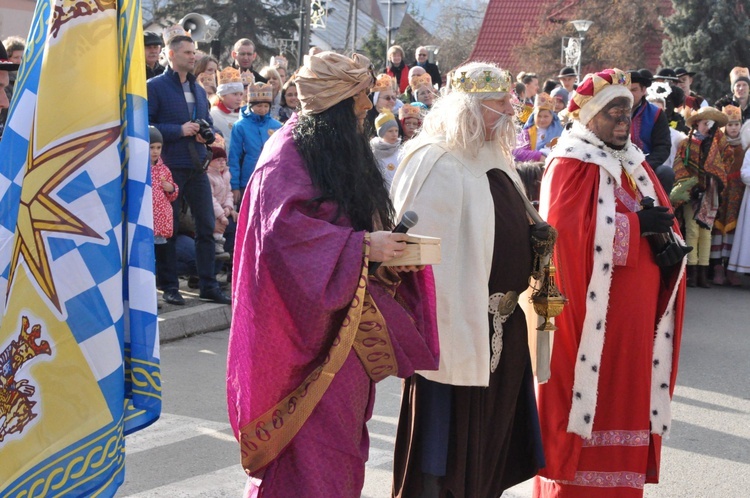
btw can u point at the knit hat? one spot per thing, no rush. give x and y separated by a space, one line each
218 152
734 113
739 74
259 93
596 91
154 135
384 122
560 93
230 81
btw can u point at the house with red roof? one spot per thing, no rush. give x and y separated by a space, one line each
505 22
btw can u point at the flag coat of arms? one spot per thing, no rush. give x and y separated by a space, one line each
79 351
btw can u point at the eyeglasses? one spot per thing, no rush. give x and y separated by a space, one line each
388 97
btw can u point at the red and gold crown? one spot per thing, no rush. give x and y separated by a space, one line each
383 82
595 89
259 92
409 111
544 102
734 113
420 80
487 82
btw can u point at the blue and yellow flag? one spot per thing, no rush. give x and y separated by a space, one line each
79 349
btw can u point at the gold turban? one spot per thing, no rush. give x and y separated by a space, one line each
328 78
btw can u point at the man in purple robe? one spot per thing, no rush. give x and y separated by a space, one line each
312 330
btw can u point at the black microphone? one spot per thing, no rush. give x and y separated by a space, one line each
408 220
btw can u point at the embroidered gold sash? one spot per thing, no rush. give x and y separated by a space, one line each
364 328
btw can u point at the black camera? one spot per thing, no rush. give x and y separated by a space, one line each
205 131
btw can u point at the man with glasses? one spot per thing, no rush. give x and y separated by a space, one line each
423 61
244 56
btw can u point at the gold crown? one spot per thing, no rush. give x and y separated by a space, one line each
419 80
247 78
409 111
172 31
734 113
486 83
544 102
384 82
229 75
260 92
737 73
207 79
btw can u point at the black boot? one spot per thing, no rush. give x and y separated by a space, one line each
703 277
691 276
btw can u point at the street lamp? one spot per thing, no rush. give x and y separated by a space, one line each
581 26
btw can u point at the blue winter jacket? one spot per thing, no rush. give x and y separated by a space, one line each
249 134
168 111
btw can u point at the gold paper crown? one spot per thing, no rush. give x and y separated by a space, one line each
207 79
734 113
172 31
229 75
737 73
409 111
384 82
260 92
420 80
484 83
544 102
247 78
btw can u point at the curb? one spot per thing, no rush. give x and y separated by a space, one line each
194 320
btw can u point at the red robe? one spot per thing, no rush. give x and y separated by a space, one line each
621 454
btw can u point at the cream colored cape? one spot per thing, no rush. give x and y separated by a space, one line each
450 193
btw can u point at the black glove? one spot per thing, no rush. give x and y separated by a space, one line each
657 219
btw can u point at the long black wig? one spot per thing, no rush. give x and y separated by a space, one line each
342 166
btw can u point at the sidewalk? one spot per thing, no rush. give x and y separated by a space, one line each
195 317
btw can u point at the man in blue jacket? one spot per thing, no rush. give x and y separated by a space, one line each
175 102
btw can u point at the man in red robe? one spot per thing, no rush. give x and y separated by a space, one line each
606 407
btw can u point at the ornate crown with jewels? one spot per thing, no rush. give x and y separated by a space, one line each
487 82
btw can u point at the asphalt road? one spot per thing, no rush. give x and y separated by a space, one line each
191 452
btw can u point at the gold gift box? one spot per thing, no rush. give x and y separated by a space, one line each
420 250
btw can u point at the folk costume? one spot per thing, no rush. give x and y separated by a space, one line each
470 428
739 258
606 407
700 171
730 201
311 333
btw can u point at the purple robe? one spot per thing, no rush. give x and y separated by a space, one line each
296 272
